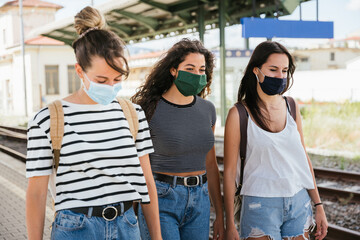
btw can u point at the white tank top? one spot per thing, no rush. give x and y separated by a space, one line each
276 163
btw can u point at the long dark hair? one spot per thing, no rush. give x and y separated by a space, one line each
160 79
96 40
248 88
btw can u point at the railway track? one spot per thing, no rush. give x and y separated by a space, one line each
15 129
334 232
13 153
340 233
323 173
328 192
13 135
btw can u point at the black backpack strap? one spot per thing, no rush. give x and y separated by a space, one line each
243 116
291 106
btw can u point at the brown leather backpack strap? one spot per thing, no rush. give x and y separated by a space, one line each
130 115
243 116
56 129
133 120
291 105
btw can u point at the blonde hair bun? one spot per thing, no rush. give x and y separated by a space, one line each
88 18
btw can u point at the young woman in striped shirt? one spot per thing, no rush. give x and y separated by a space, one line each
102 168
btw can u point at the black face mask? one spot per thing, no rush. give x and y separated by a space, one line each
271 85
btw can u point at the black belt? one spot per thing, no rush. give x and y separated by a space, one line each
190 181
107 212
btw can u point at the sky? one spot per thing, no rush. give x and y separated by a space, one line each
344 13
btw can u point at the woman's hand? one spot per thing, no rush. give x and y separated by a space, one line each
213 176
321 223
231 233
219 230
151 211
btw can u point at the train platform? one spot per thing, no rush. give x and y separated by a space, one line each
13 184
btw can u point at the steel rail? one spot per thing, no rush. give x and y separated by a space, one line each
9 134
13 153
337 233
15 129
324 173
339 195
337 175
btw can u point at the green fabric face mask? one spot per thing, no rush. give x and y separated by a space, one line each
190 84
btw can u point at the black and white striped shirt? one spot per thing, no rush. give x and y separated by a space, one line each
99 161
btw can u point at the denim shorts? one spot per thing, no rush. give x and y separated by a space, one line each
184 212
276 217
69 225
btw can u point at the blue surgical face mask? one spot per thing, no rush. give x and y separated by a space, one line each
101 93
272 85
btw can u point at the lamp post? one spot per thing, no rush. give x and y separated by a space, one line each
22 43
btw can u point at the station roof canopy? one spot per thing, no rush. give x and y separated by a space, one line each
142 20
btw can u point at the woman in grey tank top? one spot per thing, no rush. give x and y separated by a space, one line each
278 180
181 124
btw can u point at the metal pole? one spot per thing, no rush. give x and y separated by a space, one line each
247 40
254 8
22 43
300 10
317 10
222 61
201 23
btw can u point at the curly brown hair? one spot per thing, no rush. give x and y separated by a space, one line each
160 79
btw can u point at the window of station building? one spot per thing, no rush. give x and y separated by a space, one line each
332 56
143 73
73 79
304 59
9 95
4 36
52 79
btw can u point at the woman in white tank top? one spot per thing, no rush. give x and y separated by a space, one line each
278 182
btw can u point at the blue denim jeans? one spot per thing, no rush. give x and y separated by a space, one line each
69 225
276 217
184 212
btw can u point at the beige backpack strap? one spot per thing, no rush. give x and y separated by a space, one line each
130 115
56 129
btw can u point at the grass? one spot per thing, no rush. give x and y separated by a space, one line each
332 126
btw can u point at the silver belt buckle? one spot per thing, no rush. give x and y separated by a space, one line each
109 207
197 181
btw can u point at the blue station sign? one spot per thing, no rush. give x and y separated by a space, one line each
272 27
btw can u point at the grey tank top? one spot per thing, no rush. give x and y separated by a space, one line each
182 135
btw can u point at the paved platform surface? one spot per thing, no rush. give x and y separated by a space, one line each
13 185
